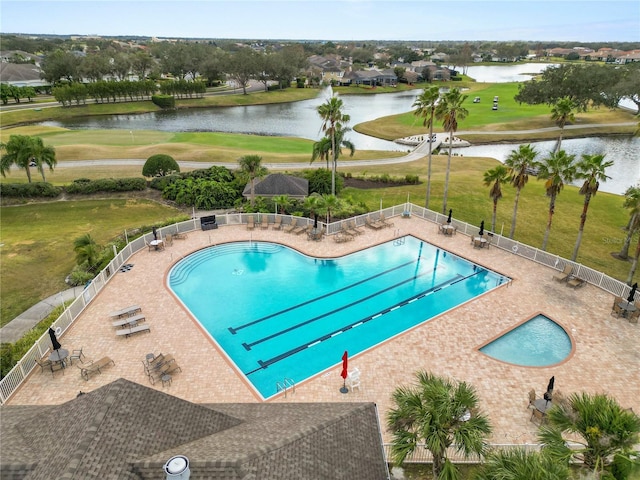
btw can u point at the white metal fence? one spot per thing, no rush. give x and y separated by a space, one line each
18 374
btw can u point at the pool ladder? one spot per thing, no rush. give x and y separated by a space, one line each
285 385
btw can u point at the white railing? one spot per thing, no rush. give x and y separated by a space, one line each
26 364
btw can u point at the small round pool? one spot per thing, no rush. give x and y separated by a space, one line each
538 342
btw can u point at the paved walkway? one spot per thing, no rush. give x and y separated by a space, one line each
16 328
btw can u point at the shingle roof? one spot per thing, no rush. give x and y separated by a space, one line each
128 431
279 184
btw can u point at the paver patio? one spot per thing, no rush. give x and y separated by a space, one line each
606 357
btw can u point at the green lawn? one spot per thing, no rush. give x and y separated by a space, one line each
37 242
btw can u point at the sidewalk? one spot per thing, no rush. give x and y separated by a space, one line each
16 328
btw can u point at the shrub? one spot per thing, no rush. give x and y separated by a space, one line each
160 183
159 166
164 101
107 185
29 190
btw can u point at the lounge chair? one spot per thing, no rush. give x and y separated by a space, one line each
575 282
564 275
372 224
303 229
125 312
87 370
289 228
129 321
127 332
384 222
277 224
355 228
264 225
251 222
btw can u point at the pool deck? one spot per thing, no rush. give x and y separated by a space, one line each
606 357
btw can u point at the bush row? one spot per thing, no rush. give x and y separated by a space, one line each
80 186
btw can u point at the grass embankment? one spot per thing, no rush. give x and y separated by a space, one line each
37 252
510 116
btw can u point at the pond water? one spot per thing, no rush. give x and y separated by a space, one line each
300 119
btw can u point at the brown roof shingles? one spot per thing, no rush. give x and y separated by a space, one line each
126 430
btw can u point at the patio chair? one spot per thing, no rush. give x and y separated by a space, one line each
56 367
538 415
168 240
617 309
532 398
633 316
78 355
277 224
564 275
264 224
289 228
251 222
44 363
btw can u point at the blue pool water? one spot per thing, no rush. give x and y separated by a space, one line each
280 314
538 342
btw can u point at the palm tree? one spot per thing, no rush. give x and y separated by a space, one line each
590 169
283 202
322 148
449 110
496 177
86 251
439 412
557 169
251 165
605 429
328 204
17 151
333 120
634 263
632 203
561 113
520 162
519 464
426 109
313 203
42 155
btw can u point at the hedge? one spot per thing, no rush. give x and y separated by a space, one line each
85 186
29 190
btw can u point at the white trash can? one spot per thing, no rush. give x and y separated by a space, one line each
177 468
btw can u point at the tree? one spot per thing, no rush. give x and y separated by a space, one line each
251 165
242 66
557 169
160 165
328 204
60 65
591 169
283 202
333 124
426 109
631 203
449 110
42 155
518 464
520 162
142 64
17 152
439 412
634 263
321 150
605 429
87 251
496 177
313 203
561 113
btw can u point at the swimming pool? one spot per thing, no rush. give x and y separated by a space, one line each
538 342
280 314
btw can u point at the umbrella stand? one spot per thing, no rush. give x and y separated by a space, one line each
344 388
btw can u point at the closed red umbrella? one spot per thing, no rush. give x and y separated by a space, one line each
345 372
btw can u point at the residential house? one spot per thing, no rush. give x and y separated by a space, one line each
278 184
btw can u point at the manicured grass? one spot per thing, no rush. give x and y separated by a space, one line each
470 201
37 252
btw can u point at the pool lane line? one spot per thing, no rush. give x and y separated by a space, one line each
457 278
266 363
326 295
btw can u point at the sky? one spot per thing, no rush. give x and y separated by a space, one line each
427 20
